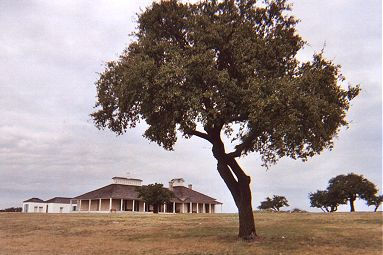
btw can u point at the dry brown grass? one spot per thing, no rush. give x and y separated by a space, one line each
280 233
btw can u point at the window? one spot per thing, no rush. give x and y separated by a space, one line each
35 209
74 208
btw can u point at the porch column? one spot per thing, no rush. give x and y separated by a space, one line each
110 204
80 205
144 207
133 206
209 208
122 202
203 208
191 207
164 207
221 208
174 207
183 207
99 204
197 208
71 207
90 201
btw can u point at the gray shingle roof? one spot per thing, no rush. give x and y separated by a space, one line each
120 191
35 200
59 200
187 195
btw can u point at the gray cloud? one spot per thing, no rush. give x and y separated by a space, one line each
51 51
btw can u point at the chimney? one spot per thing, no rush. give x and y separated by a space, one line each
171 186
190 186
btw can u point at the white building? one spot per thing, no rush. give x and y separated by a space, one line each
122 196
34 205
54 205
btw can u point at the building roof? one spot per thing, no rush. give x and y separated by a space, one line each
125 178
34 200
186 195
59 200
120 191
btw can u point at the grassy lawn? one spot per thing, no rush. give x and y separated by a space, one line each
280 233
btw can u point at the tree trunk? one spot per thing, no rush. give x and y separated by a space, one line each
245 212
239 188
352 208
155 208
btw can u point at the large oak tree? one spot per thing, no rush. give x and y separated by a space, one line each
225 67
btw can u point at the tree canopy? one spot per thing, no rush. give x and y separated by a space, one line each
218 63
351 187
155 195
274 203
343 189
326 200
227 67
375 201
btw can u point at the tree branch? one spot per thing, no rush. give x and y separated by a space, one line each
200 135
242 146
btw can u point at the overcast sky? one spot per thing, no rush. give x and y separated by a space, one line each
51 51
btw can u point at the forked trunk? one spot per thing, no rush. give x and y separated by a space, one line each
239 188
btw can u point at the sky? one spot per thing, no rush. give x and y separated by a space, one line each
52 51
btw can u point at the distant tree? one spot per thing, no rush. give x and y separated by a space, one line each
12 209
376 201
325 200
275 203
297 210
267 204
351 187
155 195
225 67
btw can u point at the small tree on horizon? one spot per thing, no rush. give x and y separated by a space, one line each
325 200
351 187
376 201
155 195
274 203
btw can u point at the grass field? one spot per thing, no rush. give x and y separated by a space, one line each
280 233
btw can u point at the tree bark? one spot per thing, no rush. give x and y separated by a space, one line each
245 212
352 207
239 188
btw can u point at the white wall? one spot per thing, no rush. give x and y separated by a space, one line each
42 207
34 207
55 208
